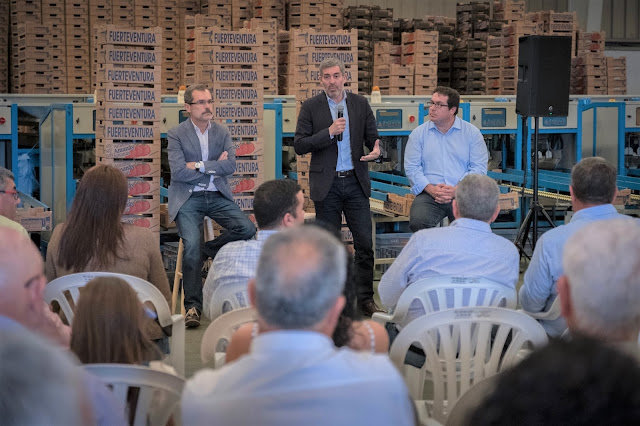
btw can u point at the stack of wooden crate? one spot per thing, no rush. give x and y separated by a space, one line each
617 75
168 19
420 49
323 15
193 73
53 18
389 75
270 9
221 9
508 11
128 90
269 29
510 47
561 24
27 14
78 52
359 18
494 64
5 13
469 56
589 74
381 31
446 28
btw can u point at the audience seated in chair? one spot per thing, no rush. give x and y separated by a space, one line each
277 204
467 247
22 308
350 331
293 373
593 188
41 385
109 326
94 239
600 289
575 382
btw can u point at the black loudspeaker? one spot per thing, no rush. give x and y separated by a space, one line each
543 76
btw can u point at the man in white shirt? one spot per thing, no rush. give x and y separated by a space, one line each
277 204
467 247
600 288
9 200
293 373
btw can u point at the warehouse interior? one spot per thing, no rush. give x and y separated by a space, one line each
77 90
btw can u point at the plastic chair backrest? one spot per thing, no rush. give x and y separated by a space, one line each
58 289
551 314
158 396
463 346
71 283
470 400
448 291
218 334
227 298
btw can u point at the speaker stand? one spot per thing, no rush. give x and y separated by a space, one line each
535 208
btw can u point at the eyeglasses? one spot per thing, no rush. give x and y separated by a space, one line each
202 102
14 193
436 105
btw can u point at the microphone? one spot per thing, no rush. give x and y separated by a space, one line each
340 115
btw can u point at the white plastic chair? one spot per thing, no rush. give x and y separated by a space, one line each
446 292
462 346
227 298
158 395
58 289
553 313
218 334
470 400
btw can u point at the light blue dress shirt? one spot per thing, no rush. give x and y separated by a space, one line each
539 289
467 247
296 377
235 263
203 138
344 146
432 157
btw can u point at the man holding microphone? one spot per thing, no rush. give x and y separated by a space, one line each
334 127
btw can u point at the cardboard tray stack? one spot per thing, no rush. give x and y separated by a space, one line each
469 56
78 52
391 77
271 9
420 50
24 56
168 18
323 15
231 64
269 29
53 18
128 114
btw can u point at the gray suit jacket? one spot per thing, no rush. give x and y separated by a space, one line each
184 147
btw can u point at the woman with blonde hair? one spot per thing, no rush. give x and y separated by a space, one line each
93 238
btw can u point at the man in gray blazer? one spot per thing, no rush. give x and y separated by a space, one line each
201 157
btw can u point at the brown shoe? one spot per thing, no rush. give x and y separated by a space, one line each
369 307
192 318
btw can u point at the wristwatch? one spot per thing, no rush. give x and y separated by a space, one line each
198 165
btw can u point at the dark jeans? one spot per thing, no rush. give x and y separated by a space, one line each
189 221
426 213
346 196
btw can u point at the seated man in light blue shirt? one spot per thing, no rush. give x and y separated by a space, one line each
293 373
277 204
438 155
592 189
467 248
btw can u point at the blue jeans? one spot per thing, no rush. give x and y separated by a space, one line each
346 196
427 213
189 221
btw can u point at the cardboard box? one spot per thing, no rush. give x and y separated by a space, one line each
623 197
399 204
34 219
509 201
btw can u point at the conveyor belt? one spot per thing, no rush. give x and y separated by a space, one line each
544 194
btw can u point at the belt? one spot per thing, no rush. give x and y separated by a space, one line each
344 173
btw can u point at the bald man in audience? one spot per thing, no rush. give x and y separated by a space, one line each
600 288
293 373
467 247
22 306
592 189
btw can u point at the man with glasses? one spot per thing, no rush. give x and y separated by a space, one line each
9 200
438 155
201 157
